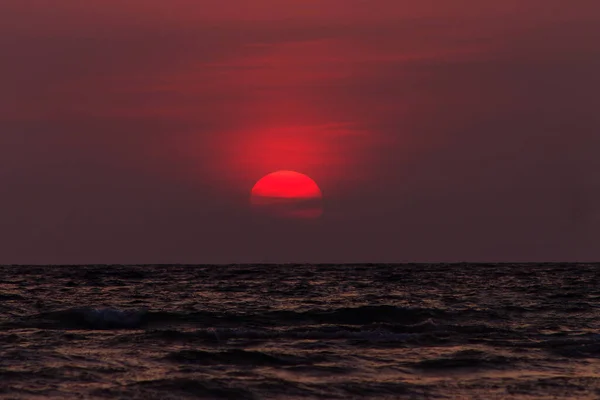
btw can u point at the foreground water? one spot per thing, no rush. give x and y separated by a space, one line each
258 331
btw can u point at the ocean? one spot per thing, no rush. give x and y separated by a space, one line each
435 331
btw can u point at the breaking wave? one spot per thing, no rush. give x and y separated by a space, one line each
114 318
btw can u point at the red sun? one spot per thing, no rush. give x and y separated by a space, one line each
287 194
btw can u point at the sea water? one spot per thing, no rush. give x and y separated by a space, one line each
444 331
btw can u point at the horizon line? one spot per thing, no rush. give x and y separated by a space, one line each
483 263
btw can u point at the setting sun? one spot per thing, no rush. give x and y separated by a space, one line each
287 194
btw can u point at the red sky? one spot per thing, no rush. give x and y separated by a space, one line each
133 131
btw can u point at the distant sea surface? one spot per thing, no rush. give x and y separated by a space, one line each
451 331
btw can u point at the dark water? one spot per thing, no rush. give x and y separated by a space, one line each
335 332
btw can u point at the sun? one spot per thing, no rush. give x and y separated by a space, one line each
287 194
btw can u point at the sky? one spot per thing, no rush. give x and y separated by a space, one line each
133 131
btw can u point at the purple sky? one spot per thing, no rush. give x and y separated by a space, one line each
437 131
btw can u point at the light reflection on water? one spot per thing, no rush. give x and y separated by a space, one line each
304 331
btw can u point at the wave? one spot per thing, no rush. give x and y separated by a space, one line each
88 318
113 318
222 335
241 357
362 315
10 296
178 388
587 346
265 388
464 359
